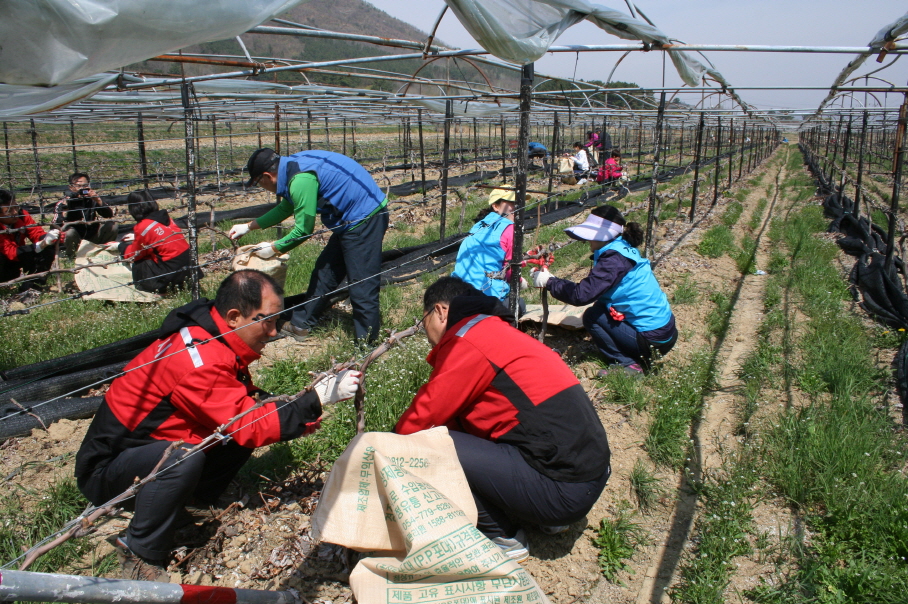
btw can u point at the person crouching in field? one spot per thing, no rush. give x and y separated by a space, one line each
157 247
631 315
527 436
25 248
177 391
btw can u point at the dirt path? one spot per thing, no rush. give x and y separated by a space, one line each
565 565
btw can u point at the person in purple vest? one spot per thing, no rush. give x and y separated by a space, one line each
631 316
351 205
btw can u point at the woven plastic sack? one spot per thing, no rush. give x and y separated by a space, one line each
275 267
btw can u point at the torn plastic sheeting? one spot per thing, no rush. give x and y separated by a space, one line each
884 36
17 101
521 31
467 108
53 42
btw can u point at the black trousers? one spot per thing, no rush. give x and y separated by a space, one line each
203 476
28 264
509 492
355 255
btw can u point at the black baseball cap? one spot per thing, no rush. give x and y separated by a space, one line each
263 160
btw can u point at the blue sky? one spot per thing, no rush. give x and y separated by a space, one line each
773 22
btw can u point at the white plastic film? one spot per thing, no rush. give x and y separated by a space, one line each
51 42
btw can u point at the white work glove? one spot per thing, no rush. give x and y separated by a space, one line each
129 237
338 388
113 247
523 284
238 230
51 238
265 250
541 277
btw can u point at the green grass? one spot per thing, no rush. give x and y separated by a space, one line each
646 487
746 256
617 540
718 318
756 218
720 534
716 242
677 400
686 292
732 213
837 459
23 527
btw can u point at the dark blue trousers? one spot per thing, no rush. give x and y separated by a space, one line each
355 255
509 492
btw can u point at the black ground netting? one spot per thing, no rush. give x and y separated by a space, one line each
21 424
880 292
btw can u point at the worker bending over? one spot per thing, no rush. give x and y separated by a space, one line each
531 445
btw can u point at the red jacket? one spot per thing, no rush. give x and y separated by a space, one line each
13 243
496 382
181 389
158 238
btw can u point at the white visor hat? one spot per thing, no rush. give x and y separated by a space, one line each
595 228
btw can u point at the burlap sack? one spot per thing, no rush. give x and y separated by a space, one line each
565 165
275 267
409 494
104 280
562 315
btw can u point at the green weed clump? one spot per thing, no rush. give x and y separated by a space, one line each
718 318
837 459
617 541
686 292
677 400
721 533
732 213
645 486
20 527
757 217
716 241
746 256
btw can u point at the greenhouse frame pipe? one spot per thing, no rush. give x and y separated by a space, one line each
422 155
898 161
693 197
520 184
731 153
25 586
34 133
189 130
9 167
718 160
653 197
552 155
743 144
845 157
143 158
277 128
449 114
309 129
504 166
857 186
72 138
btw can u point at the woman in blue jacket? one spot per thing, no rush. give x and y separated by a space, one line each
482 260
631 316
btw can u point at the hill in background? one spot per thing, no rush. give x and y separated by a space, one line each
348 16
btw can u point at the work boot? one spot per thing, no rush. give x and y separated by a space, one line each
135 568
297 333
515 547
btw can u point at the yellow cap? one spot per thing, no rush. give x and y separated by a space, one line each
501 195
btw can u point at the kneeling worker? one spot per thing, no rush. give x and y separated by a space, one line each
351 205
180 389
529 440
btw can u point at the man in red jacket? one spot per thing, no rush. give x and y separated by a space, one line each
528 437
180 389
24 246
